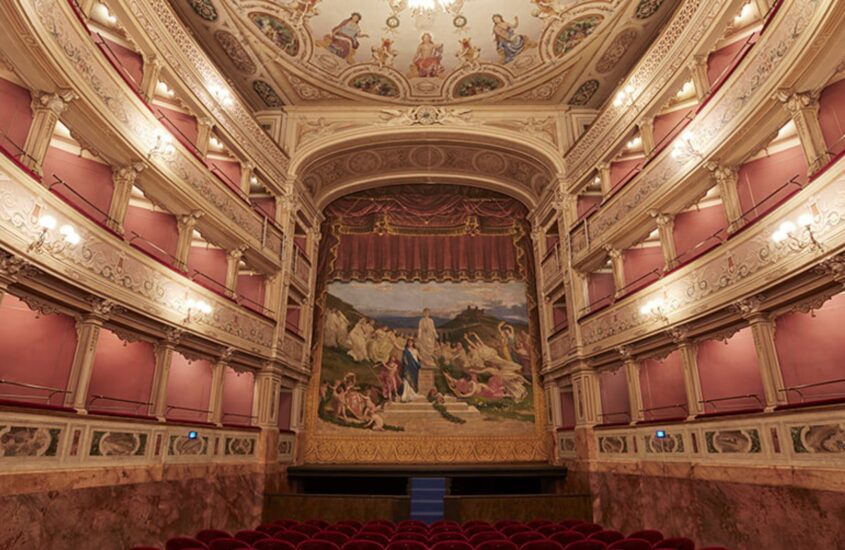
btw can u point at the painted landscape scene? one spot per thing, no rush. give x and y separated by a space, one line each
442 358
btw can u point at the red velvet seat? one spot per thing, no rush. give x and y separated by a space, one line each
347 530
452 545
545 544
338 538
228 544
478 538
356 544
570 523
286 523
587 528
318 523
443 522
293 537
676 543
273 544
317 545
539 523
351 523
475 523
208 535
384 523
447 535
183 543
496 545
268 528
406 545
504 523
475 529
412 523
566 537
549 529
509 530
631 544
309 530
375 537
608 536
412 529
586 545
651 535
410 535
378 528
521 538
250 536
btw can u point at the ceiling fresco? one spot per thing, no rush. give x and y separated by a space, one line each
299 51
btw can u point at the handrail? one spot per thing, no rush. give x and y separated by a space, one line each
171 126
97 397
136 236
617 413
188 409
21 150
731 398
52 391
792 181
682 406
60 181
236 415
797 389
114 58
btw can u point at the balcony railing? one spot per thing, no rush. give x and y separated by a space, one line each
51 391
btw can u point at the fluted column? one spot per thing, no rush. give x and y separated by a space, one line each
204 128
692 381
603 170
124 179
618 266
233 262
186 224
587 395
268 383
698 71
632 378
763 330
149 80
218 379
553 403
803 107
87 334
666 232
647 135
297 407
46 110
164 359
247 170
727 178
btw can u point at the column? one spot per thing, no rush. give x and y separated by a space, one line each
314 237
124 179
618 269
204 128
553 402
585 387
164 358
763 330
218 377
265 405
273 293
698 71
87 333
647 135
803 107
604 177
580 299
727 178
152 72
569 213
632 377
297 407
46 110
247 171
233 262
10 266
692 380
666 231
186 224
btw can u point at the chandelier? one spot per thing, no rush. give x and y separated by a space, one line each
429 7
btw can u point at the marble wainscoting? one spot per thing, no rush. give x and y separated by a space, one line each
779 509
117 508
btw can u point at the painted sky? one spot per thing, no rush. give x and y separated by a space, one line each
504 300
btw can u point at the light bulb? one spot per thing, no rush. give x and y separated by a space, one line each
191 303
787 227
805 219
629 90
47 222
779 236
686 136
72 238
66 230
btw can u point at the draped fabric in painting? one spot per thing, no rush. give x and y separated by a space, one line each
426 233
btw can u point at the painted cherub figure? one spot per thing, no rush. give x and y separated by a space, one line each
468 54
300 10
547 9
384 54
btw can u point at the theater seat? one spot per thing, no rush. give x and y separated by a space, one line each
631 544
475 529
309 530
509 530
356 544
676 543
496 545
521 538
411 529
378 528
587 545
444 536
478 538
287 523
376 537
313 544
184 543
549 529
273 544
504 523
475 523
407 545
570 523
410 535
351 523
338 538
651 535
293 537
347 530
607 536
208 535
539 523
228 544
451 545
587 528
250 536
545 544
317 522
268 528
566 537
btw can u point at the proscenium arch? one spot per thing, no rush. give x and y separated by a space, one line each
511 167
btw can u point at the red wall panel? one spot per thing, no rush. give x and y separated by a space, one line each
567 409
694 231
15 115
26 359
832 116
285 402
614 396
586 202
662 385
668 125
760 178
722 59
229 171
640 265
189 386
623 171
182 125
600 289
251 287
121 370
158 228
729 369
130 62
211 263
237 396
86 177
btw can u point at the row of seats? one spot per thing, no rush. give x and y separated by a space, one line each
414 535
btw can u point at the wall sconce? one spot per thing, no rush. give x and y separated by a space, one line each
684 146
655 308
222 95
805 237
634 143
164 144
48 223
197 306
625 97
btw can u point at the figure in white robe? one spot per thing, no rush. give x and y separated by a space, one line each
358 338
380 346
427 340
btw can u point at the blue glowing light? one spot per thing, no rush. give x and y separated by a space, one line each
661 434
193 435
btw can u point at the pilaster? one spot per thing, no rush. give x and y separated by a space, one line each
587 395
698 71
233 262
647 135
297 407
803 107
46 110
689 362
604 177
618 266
124 179
666 232
204 128
218 378
632 378
87 334
763 330
149 80
268 383
186 224
164 359
247 171
727 178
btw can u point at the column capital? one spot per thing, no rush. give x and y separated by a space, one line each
55 102
127 175
188 221
205 122
680 335
614 253
237 253
172 337
10 267
626 354
698 60
795 102
225 355
833 267
101 309
661 218
751 308
723 174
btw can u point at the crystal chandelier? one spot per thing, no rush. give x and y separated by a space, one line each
428 7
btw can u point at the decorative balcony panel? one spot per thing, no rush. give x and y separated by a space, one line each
552 269
108 266
301 269
293 348
560 347
287 447
751 88
95 79
566 444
